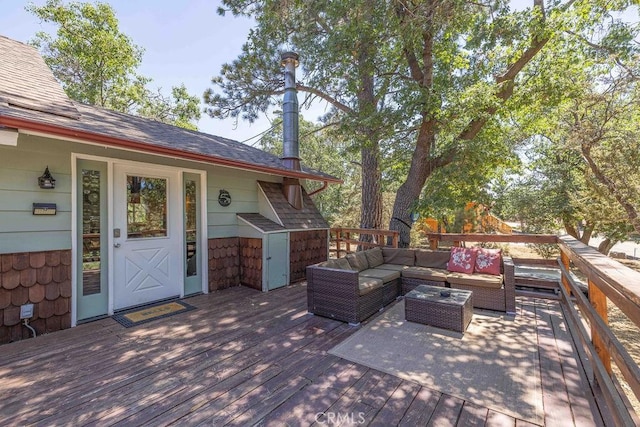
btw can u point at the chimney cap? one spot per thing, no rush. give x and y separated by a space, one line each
288 56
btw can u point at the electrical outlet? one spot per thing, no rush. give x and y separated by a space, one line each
26 311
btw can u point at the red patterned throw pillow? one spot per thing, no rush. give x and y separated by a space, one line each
462 260
488 261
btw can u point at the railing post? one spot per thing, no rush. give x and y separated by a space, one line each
433 243
565 261
338 242
599 302
395 239
348 242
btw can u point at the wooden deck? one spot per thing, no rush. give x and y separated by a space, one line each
245 358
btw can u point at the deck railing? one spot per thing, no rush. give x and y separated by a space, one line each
347 240
607 280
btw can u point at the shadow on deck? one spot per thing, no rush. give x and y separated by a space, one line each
245 357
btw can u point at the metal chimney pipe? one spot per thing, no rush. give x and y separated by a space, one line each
291 151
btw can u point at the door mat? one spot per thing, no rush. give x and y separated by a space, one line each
138 316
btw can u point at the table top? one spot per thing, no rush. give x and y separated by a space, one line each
432 294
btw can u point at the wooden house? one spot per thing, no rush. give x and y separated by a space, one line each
101 211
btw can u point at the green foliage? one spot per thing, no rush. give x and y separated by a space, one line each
457 88
575 101
582 110
97 64
348 59
180 110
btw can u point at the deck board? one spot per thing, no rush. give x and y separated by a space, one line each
420 411
554 391
472 415
395 407
447 412
581 400
497 419
246 357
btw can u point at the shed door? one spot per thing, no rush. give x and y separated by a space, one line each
277 260
148 235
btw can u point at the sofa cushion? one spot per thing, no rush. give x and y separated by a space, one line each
432 259
394 267
398 256
368 284
374 257
488 261
425 273
341 264
338 264
358 261
462 260
385 275
481 280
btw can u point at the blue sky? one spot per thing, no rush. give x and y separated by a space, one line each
184 42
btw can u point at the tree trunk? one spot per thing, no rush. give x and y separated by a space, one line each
586 234
371 207
570 228
371 196
629 208
605 246
573 231
409 191
421 67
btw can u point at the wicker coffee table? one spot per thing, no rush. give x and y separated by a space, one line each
426 305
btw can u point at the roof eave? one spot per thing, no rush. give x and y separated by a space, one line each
111 141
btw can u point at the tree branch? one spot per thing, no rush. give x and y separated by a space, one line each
506 82
412 61
322 95
608 51
631 211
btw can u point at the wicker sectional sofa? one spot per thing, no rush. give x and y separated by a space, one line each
353 288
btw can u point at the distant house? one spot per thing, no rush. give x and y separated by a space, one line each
140 211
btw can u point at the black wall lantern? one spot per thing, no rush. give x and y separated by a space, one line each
46 180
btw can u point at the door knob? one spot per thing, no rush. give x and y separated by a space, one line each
116 245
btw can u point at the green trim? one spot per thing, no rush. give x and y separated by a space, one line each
96 304
193 284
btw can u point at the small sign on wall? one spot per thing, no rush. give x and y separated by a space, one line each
224 198
44 208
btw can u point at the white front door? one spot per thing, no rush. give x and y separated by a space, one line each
147 235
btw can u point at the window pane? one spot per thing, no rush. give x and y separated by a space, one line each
146 207
90 232
190 209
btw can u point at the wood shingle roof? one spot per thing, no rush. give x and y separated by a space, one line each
293 219
31 99
260 222
26 81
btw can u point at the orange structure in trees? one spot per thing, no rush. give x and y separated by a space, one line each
477 219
